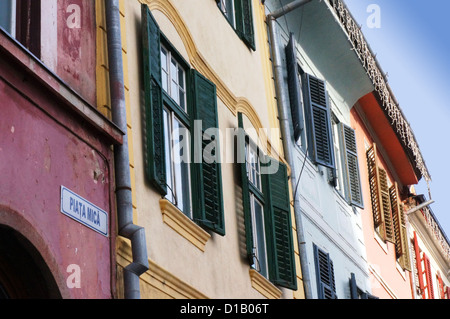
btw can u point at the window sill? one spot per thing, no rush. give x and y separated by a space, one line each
400 270
183 225
264 286
380 242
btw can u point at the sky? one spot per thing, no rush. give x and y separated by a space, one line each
412 45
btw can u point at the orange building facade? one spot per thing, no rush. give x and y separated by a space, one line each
386 174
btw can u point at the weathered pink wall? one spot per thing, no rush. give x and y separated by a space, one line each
76 47
44 145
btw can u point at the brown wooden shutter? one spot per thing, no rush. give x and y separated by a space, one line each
399 223
379 191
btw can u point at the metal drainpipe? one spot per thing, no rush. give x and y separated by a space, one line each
127 229
288 143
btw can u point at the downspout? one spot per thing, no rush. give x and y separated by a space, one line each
127 229
287 137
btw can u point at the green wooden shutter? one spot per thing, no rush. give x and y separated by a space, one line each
353 179
294 87
210 212
155 150
244 22
320 138
325 274
242 162
282 269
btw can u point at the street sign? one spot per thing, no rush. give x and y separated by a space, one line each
84 212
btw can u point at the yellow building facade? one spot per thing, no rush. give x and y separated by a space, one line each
186 259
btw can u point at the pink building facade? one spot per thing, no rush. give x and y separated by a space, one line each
54 243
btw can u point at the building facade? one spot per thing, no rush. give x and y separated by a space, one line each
203 133
57 206
353 151
430 252
320 81
239 149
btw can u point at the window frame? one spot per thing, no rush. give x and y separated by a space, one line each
173 187
175 111
275 197
10 16
337 174
171 55
230 13
257 195
25 24
242 20
206 178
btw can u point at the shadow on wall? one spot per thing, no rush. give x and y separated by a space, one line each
23 272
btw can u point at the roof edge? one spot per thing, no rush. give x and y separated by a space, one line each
398 120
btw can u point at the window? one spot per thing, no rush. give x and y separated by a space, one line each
173 78
8 16
379 193
388 210
348 161
327 141
335 175
424 274
239 14
257 210
267 213
316 107
441 286
356 292
175 98
21 19
326 286
400 231
177 164
228 9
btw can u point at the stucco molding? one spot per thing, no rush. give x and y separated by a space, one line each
350 253
157 277
398 121
263 286
183 225
197 60
381 281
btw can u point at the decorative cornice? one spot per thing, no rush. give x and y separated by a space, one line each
369 62
265 287
381 281
434 228
157 277
197 60
183 225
